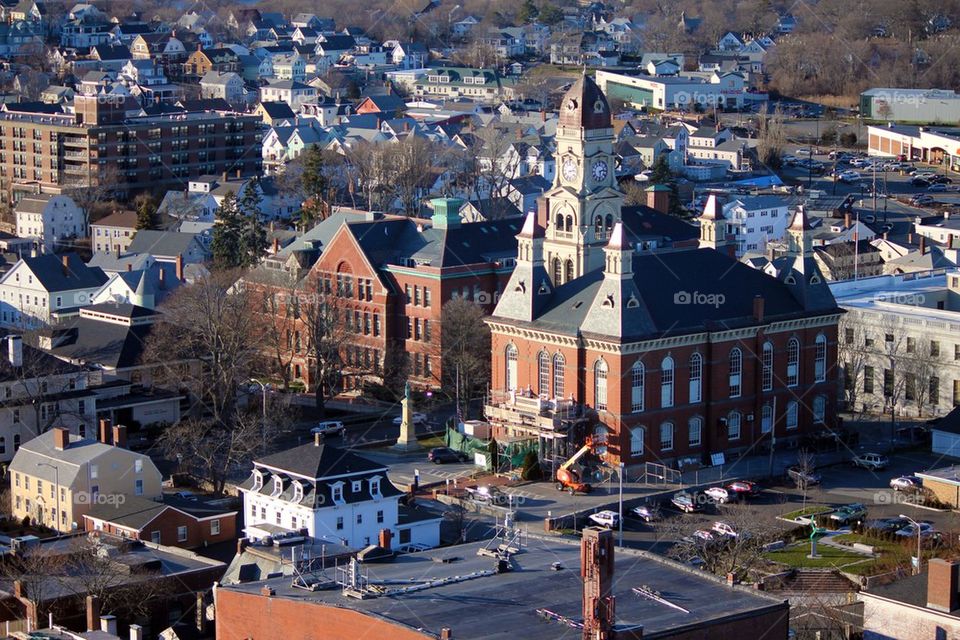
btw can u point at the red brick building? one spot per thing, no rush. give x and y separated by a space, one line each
176 522
672 355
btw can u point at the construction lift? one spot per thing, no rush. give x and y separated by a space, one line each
569 478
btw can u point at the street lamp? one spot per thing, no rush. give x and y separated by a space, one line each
56 471
916 524
620 518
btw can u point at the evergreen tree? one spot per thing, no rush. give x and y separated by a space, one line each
253 237
228 242
660 172
146 212
528 12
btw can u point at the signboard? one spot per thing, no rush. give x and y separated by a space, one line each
717 459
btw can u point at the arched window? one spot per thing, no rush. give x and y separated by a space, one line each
636 387
666 382
543 366
598 227
819 409
733 425
666 436
793 362
820 359
637 436
557 272
766 418
568 271
608 223
569 225
558 362
600 385
793 410
510 378
559 222
695 429
696 377
766 374
736 369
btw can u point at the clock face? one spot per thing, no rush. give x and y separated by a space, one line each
569 169
599 170
571 105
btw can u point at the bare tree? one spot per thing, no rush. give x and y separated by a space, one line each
371 163
465 349
274 295
806 465
411 160
853 358
921 370
323 315
891 358
770 137
208 344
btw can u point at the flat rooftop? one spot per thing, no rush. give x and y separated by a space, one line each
911 295
454 587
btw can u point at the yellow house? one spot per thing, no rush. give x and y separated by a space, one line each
57 477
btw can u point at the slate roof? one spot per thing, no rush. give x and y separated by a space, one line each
112 345
125 219
277 110
49 270
319 461
162 243
659 280
136 512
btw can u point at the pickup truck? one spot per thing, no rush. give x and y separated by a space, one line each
871 461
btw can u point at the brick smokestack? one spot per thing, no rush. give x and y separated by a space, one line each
943 581
93 613
61 438
386 537
65 260
596 569
120 436
923 245
180 267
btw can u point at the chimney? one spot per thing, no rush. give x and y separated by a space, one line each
386 537
65 260
223 176
923 245
239 173
18 589
658 198
129 267
950 241
93 613
846 220
317 439
910 238
241 545
15 351
276 246
446 633
105 431
886 235
943 581
180 267
136 632
118 250
61 438
758 308
543 115
267 591
120 436
108 624
163 278
596 570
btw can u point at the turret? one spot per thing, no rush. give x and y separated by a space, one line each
529 288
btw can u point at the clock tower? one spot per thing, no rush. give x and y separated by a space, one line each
583 205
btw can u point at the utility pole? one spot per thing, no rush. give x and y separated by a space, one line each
620 519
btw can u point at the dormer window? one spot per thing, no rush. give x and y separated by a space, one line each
257 480
297 491
277 487
375 487
337 491
357 486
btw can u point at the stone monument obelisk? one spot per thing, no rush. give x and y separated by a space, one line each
408 436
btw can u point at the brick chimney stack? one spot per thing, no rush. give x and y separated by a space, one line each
923 245
65 260
93 613
596 569
758 308
943 581
120 436
105 431
179 264
386 536
61 438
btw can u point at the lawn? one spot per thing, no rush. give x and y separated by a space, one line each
807 511
830 557
431 442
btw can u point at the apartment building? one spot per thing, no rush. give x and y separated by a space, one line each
44 148
114 233
50 220
57 477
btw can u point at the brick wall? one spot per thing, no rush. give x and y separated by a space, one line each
249 616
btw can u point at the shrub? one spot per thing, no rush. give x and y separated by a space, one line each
530 469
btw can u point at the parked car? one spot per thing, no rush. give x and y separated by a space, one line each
849 513
704 536
718 494
918 181
884 525
848 177
329 428
942 180
906 483
440 455
686 502
744 488
605 518
909 531
647 513
725 529
487 494
418 418
871 461
798 475
921 200
937 188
